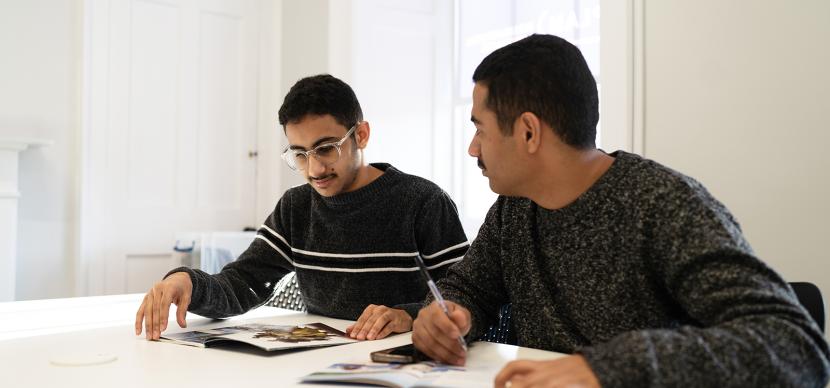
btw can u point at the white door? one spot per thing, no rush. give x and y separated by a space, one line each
169 132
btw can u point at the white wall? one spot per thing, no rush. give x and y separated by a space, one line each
40 74
737 95
269 134
305 51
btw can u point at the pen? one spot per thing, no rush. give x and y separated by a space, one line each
437 295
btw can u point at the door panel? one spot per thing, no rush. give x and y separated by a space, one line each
152 105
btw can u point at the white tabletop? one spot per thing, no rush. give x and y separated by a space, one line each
34 333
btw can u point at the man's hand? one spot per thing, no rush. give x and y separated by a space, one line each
177 288
377 322
436 334
570 371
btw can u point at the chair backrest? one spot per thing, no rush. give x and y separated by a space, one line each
810 297
287 294
501 332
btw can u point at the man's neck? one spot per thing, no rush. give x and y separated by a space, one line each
366 174
567 176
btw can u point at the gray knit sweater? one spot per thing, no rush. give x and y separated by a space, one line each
349 250
647 276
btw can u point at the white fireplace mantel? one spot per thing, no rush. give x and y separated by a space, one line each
10 149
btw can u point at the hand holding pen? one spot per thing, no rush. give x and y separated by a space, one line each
439 330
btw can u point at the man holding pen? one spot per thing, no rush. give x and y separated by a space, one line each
631 267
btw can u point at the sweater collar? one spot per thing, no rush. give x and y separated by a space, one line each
371 191
587 200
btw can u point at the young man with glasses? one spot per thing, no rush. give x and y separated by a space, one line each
351 234
632 268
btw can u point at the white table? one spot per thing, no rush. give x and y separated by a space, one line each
34 332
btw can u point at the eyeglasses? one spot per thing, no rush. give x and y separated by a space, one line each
326 154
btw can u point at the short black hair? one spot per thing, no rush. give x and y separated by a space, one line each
547 76
320 95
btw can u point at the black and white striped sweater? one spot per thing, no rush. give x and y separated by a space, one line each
349 250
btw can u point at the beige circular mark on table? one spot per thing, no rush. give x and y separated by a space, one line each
82 359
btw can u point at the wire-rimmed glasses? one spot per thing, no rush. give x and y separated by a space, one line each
326 154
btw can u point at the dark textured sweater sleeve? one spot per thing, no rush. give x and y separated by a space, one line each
475 282
440 238
750 329
248 281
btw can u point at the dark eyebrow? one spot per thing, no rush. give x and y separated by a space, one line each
474 120
327 139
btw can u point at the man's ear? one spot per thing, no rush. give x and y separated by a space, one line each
528 129
362 133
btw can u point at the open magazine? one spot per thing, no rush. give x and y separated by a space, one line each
263 336
422 374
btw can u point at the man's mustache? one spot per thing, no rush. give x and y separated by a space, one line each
481 164
320 178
